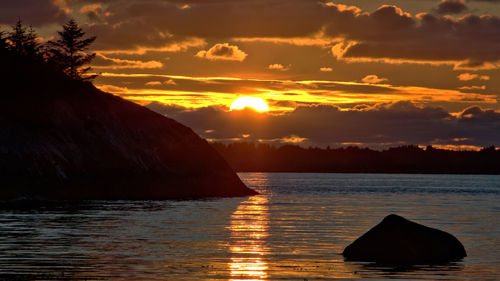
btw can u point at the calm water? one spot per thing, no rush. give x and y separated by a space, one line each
295 230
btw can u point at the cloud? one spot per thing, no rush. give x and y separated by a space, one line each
223 51
114 89
207 19
451 7
483 87
469 76
345 8
325 69
178 46
169 82
315 39
293 139
279 66
159 83
91 8
123 31
36 13
390 35
102 61
321 125
220 90
373 79
477 114
95 12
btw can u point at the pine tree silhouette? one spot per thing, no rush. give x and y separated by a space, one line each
23 40
69 52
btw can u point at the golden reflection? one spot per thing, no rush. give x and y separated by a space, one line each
249 228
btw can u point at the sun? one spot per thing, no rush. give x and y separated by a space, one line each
252 102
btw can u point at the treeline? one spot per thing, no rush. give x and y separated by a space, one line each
21 47
251 157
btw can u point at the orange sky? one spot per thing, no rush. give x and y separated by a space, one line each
196 56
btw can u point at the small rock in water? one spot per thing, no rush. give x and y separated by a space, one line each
397 240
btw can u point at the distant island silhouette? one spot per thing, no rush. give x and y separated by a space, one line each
252 157
62 138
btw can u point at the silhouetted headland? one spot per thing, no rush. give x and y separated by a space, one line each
251 157
61 138
397 240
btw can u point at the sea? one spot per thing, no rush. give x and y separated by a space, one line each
295 230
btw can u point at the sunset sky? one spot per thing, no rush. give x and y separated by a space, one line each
369 73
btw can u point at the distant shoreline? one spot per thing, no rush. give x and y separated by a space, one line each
370 173
411 159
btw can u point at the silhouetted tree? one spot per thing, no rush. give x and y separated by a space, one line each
69 52
490 148
22 40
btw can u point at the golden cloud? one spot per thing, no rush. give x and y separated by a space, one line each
153 83
373 79
279 66
483 87
470 76
91 8
114 63
223 51
179 46
316 39
159 83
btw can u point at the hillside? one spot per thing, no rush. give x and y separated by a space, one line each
65 139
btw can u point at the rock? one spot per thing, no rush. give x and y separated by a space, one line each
397 240
65 139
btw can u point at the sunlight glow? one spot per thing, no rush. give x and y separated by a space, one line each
252 102
287 97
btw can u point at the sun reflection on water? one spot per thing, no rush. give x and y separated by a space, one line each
249 228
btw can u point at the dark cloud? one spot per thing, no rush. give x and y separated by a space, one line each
222 19
451 7
477 115
386 33
130 34
321 125
32 12
396 35
126 24
93 11
166 109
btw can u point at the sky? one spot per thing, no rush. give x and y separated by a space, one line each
334 73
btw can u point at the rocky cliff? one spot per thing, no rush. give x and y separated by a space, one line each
65 139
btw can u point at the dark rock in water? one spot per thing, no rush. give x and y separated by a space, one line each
65 139
397 240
